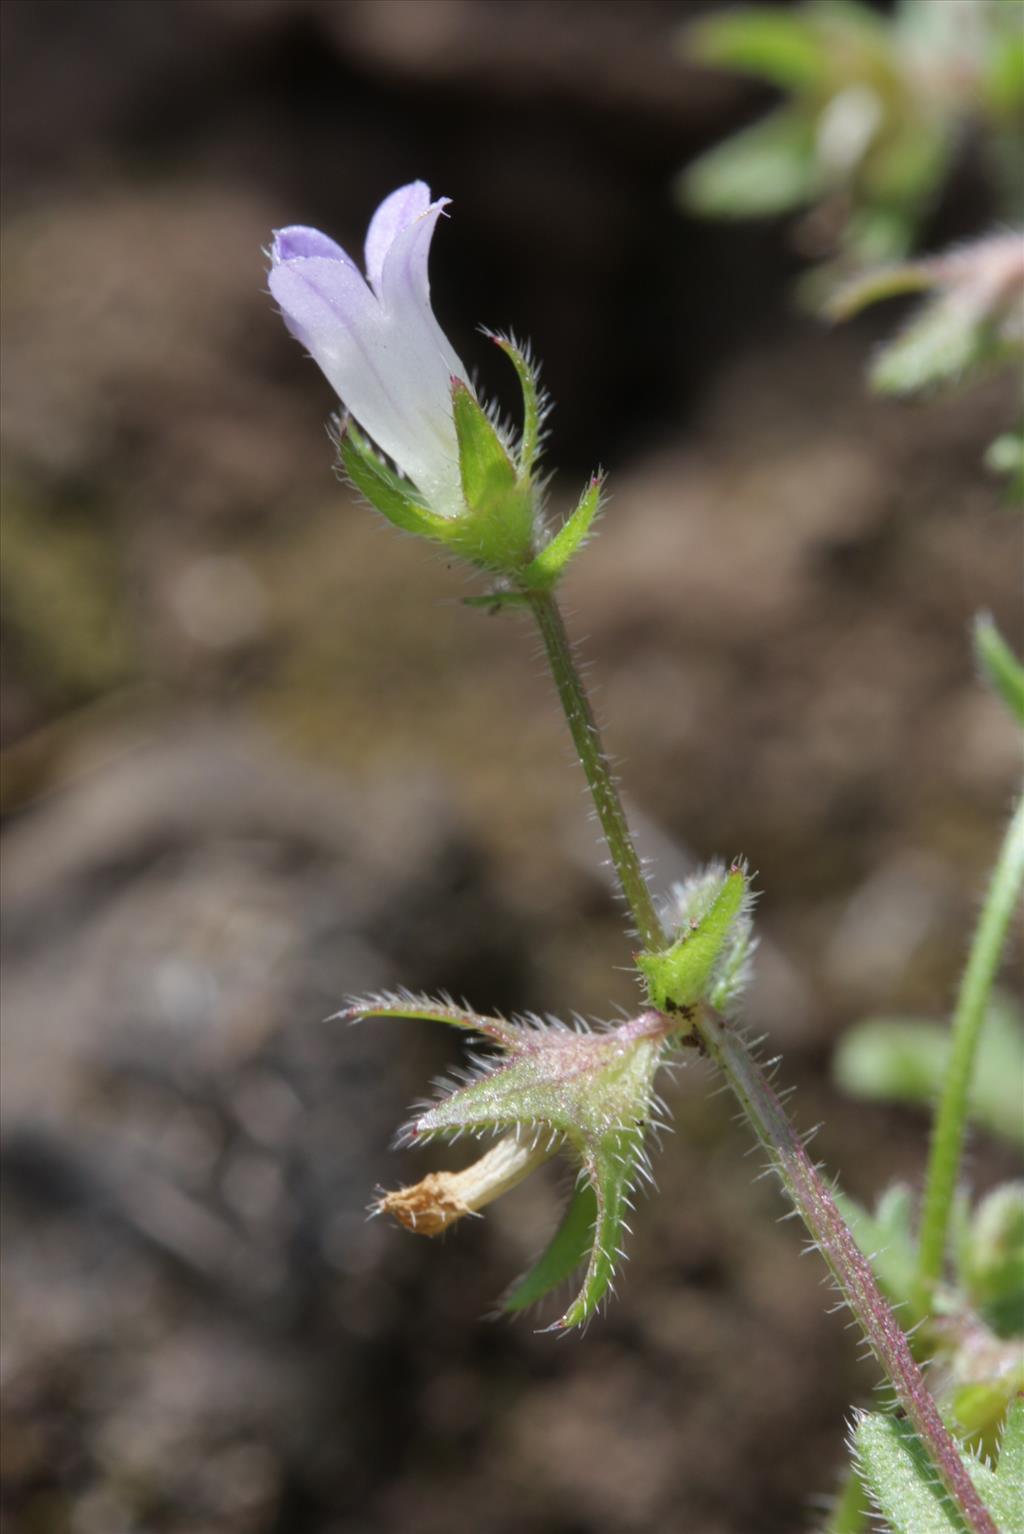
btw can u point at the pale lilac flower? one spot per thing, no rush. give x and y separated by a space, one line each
376 338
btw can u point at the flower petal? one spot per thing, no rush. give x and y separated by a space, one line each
392 378
405 299
323 301
394 214
378 343
404 286
300 240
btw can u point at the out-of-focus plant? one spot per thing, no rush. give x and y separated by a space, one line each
877 111
876 108
458 477
956 1273
905 1059
971 323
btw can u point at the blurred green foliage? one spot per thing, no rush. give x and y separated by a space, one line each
998 665
971 322
895 1059
876 109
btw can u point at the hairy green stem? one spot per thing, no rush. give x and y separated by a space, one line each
968 1019
587 740
800 1178
817 1208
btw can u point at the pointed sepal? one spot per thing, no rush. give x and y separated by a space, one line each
558 1082
567 1250
395 498
611 1164
534 402
495 529
406 1004
708 958
544 572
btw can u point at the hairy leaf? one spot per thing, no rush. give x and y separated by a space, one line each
902 1480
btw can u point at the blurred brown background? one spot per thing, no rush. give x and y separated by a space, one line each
258 756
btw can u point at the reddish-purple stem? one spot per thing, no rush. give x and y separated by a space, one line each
849 1266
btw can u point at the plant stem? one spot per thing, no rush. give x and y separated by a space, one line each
850 1268
968 1019
801 1179
587 740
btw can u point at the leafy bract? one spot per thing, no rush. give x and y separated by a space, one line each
395 498
902 1480
712 927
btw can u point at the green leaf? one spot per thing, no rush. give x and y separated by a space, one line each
902 171
1003 84
876 234
497 530
566 1252
980 1406
904 1060
391 495
1006 1498
765 170
679 976
902 1480
937 346
1005 457
857 293
780 46
544 571
992 1260
999 666
1010 1468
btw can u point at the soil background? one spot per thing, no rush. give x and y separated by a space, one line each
258 755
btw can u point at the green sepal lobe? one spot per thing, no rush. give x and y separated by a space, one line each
544 572
385 490
533 407
681 975
566 1251
496 528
